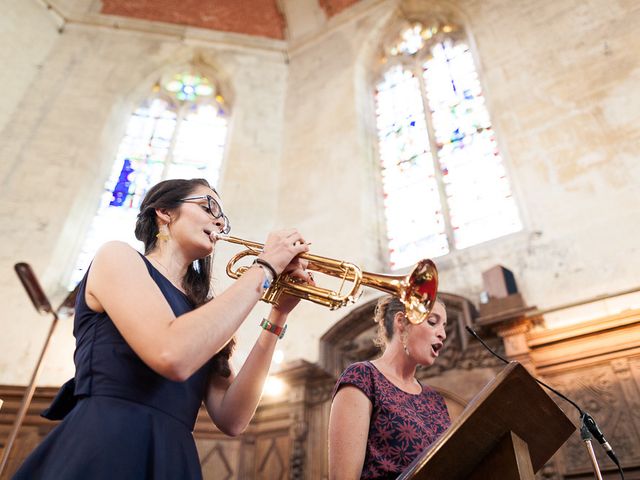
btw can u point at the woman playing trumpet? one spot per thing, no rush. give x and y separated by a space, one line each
152 345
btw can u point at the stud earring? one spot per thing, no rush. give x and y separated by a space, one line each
163 233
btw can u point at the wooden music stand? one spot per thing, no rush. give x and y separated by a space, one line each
508 431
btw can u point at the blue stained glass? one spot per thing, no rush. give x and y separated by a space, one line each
457 135
154 149
121 190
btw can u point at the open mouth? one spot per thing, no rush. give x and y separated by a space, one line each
436 347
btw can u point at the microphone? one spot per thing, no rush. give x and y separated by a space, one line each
599 436
585 418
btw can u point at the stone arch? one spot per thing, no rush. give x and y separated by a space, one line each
390 24
460 372
368 68
134 87
351 338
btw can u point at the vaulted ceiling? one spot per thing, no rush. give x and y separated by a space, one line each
261 18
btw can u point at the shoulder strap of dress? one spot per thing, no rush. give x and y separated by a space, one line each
150 267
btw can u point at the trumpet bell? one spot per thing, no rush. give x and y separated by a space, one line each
417 290
419 296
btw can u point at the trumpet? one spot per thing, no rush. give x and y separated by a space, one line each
417 290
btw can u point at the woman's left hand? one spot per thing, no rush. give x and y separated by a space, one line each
297 270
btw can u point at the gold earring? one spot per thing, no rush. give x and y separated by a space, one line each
404 337
163 233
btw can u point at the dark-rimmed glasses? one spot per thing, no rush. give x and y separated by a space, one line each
214 209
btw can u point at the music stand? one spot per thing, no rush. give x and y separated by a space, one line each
508 431
43 306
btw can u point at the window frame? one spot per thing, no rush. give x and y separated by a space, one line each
414 63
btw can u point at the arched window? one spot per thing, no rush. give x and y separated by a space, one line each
179 131
445 186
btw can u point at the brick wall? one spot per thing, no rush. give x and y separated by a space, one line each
253 17
333 7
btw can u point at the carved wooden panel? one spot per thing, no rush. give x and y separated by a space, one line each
317 461
220 459
597 365
610 392
272 457
34 427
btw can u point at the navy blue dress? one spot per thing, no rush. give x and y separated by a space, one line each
120 418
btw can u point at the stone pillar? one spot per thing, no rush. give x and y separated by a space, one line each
511 320
514 338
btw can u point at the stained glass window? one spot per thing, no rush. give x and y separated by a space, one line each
179 131
445 185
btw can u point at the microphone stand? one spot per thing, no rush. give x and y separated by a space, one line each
585 435
42 305
588 424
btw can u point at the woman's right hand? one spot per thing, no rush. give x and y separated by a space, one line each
283 246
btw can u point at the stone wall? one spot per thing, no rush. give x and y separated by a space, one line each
60 140
561 85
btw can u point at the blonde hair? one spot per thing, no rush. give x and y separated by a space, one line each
386 310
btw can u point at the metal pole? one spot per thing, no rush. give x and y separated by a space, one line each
42 305
26 399
586 438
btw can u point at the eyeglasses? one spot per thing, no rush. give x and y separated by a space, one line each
213 208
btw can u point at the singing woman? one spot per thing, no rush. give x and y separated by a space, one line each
382 417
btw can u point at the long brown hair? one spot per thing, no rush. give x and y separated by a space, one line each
197 280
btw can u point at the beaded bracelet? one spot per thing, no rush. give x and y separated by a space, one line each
275 329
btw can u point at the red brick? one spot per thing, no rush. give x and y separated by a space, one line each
333 7
252 17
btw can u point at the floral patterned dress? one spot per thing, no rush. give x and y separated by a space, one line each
402 424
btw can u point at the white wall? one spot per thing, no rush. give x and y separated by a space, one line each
561 84
60 142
